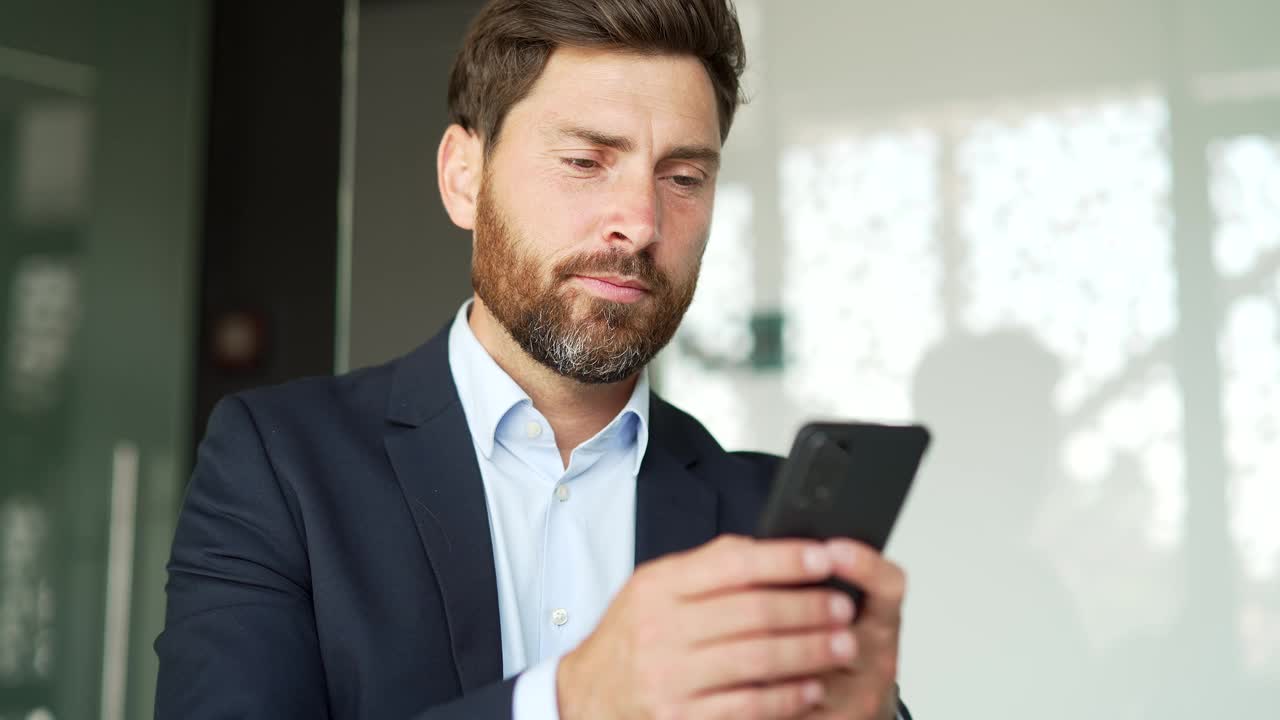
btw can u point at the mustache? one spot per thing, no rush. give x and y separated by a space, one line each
615 262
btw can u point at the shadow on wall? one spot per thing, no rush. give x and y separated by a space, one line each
987 485
995 629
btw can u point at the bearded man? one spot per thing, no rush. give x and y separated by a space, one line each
507 522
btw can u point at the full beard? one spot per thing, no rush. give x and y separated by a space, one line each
605 343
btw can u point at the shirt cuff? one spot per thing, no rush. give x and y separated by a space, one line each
534 697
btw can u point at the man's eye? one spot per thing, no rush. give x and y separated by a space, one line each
686 181
582 163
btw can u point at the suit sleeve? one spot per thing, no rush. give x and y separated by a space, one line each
239 637
240 633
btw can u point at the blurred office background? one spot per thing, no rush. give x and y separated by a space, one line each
1049 229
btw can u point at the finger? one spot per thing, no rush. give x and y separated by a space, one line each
862 702
846 694
732 562
878 656
837 688
790 699
883 582
771 658
732 615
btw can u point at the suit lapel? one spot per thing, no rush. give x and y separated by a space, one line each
434 459
675 509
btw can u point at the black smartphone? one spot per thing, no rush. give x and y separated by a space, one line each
844 480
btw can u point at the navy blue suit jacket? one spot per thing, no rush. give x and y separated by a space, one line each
332 557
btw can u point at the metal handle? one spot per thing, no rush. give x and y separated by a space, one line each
115 643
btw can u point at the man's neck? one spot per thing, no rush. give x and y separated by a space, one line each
575 410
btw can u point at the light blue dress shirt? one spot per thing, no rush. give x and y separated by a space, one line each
563 537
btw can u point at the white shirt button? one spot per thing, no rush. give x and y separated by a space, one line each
562 493
533 429
559 617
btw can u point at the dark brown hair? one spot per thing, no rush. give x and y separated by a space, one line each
509 43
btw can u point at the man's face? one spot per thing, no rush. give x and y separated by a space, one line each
595 208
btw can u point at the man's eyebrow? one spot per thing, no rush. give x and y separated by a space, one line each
708 155
702 153
594 137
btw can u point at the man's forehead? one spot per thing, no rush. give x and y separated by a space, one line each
606 64
601 90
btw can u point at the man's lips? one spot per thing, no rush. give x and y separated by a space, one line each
617 281
613 288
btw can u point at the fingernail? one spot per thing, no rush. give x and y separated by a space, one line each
842 553
842 644
817 561
841 608
812 692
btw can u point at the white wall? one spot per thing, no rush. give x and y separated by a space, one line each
1051 230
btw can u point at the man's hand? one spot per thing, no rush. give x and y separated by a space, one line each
867 689
716 632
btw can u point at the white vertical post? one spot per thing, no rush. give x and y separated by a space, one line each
115 644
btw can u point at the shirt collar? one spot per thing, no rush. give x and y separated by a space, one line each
488 394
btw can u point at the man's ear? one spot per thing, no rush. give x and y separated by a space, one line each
459 169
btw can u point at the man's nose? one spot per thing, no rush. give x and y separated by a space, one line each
635 214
